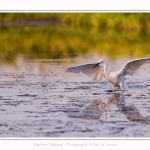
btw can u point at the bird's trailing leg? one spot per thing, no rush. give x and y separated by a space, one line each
121 86
114 88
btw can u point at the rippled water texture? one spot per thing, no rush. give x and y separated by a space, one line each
38 99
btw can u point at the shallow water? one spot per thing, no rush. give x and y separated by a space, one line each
38 99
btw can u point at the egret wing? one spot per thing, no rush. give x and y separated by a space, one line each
95 74
132 66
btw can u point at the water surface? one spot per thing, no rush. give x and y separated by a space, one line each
38 99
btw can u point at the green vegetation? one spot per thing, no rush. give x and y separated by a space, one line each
92 20
111 34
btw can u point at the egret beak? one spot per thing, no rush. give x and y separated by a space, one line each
96 65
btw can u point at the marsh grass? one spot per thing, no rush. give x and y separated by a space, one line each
77 34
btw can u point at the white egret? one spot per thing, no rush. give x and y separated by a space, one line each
99 70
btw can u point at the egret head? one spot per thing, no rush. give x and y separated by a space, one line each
100 62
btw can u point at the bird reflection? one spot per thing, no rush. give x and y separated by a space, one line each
131 112
96 109
93 110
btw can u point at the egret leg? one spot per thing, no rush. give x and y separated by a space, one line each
121 86
114 88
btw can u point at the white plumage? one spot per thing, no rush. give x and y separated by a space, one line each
99 70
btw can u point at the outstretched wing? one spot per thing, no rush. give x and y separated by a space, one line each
95 74
132 66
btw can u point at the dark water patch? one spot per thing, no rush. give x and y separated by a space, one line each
27 95
112 91
29 111
128 95
45 103
78 105
58 127
5 99
2 110
138 97
11 103
67 88
79 88
109 91
96 94
69 110
142 95
34 116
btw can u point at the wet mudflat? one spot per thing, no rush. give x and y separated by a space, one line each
38 99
